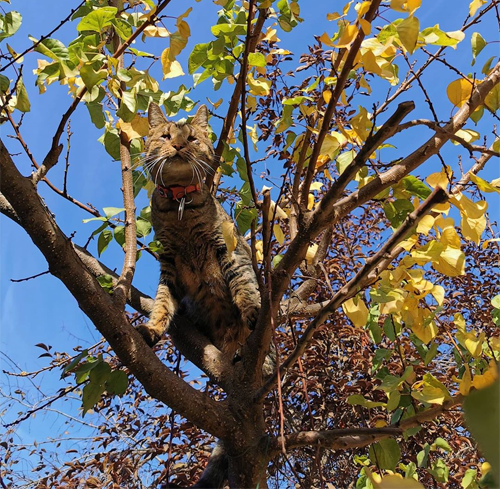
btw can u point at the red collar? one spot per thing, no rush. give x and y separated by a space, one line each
177 192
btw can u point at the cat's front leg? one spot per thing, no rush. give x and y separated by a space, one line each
164 308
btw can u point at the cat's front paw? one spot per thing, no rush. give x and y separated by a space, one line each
150 335
250 316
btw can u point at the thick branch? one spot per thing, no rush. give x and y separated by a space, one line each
111 321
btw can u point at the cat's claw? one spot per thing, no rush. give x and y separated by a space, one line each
250 318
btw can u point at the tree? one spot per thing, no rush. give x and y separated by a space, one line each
370 237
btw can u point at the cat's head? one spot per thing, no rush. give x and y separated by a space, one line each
178 153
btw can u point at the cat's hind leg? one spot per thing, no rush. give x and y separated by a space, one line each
164 309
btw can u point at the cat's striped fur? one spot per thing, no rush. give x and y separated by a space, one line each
200 278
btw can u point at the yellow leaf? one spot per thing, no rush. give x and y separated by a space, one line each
362 8
408 6
370 63
438 294
325 39
271 35
216 104
433 391
486 242
327 95
327 175
137 128
366 26
425 224
278 233
153 31
459 91
465 383
310 201
472 229
316 186
259 254
485 468
329 146
486 379
449 236
440 179
451 262
408 31
229 236
459 322
473 343
396 481
474 6
356 310
471 209
483 185
333 16
427 253
258 86
311 253
347 37
423 328
170 67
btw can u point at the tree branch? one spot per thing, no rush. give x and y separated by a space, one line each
97 304
358 437
364 277
52 156
213 180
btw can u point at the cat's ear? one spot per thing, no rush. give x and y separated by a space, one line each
155 115
201 118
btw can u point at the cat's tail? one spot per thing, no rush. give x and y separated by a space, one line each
215 474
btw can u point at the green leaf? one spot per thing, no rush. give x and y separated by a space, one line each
408 33
244 217
156 247
111 141
397 211
198 57
469 480
495 302
122 27
439 471
423 455
91 395
112 211
96 114
230 30
100 373
478 43
416 187
344 160
97 20
52 48
22 103
482 417
4 84
103 241
128 106
385 454
487 66
441 443
106 282
9 24
359 400
256 59
119 234
434 35
91 77
71 365
117 383
143 227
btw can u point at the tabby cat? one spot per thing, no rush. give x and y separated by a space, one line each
217 289
199 278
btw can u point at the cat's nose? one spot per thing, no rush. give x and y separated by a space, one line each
178 146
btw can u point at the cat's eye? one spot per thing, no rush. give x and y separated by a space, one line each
192 139
166 136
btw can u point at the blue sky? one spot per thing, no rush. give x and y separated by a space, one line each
42 310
